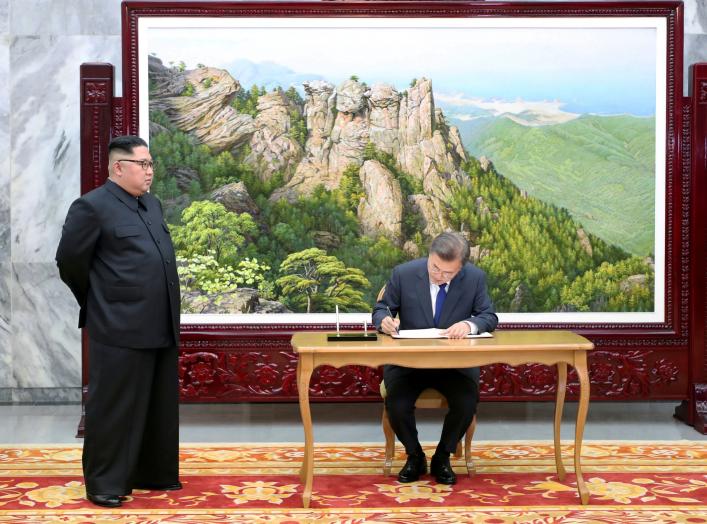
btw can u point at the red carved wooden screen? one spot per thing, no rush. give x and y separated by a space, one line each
254 362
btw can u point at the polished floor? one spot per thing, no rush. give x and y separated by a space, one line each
360 422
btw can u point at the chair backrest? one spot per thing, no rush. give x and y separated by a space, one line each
381 294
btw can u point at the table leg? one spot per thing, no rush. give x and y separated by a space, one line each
559 406
305 366
580 364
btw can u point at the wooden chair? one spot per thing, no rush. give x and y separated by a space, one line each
429 398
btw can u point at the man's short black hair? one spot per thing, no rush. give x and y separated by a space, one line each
126 144
450 246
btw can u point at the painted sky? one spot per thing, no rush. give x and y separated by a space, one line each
580 70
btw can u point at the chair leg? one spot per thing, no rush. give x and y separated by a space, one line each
389 443
467 447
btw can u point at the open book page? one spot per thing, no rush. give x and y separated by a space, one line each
432 333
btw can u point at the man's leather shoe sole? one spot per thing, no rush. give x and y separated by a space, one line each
410 478
413 469
107 501
446 479
159 487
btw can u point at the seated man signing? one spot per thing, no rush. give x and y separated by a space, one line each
446 291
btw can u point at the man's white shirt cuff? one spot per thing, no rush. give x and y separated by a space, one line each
473 327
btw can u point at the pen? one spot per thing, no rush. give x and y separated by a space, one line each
337 320
397 329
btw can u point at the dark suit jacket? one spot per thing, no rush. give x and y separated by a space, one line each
117 258
407 294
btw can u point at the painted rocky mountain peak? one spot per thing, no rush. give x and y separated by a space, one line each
341 122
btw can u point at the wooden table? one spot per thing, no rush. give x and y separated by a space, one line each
550 347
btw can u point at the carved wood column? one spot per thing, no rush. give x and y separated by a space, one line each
694 410
101 119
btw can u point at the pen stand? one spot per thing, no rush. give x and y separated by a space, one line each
351 337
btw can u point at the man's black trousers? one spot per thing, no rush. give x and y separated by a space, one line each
461 392
132 419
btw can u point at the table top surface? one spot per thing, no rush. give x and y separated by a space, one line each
525 340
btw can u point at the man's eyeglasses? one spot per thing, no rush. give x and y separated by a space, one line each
144 164
445 274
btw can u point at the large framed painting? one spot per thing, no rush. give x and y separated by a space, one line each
302 150
301 158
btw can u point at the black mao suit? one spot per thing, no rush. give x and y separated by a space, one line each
116 256
407 294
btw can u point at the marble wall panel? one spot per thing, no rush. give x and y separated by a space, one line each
6 360
695 16
4 146
65 17
6 376
695 51
46 343
45 131
54 395
695 37
7 379
4 16
105 17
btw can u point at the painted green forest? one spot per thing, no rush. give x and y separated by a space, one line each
600 167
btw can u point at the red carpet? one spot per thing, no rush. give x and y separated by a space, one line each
639 482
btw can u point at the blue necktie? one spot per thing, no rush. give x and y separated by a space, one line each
441 296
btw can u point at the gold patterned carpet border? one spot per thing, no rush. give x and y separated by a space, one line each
630 482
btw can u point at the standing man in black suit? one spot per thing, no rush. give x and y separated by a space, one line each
117 258
445 291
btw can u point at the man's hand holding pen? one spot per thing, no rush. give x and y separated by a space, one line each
389 324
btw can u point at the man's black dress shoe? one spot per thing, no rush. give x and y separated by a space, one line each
107 501
159 487
442 470
415 466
